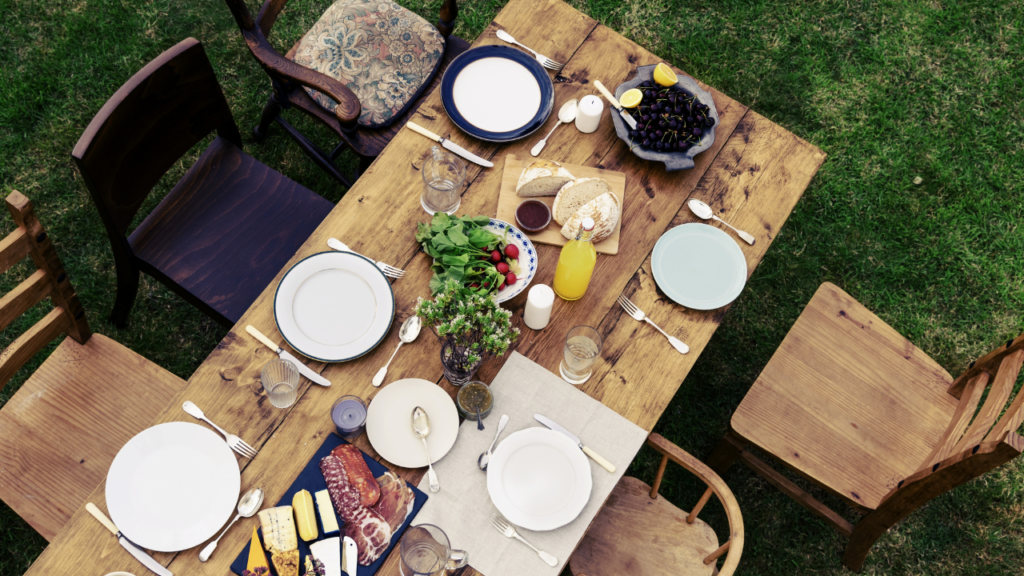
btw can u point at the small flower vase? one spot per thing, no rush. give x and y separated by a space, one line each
452 371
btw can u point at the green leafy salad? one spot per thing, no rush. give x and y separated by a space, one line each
465 251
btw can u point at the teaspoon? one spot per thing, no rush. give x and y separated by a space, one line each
486 456
566 114
705 212
248 505
407 333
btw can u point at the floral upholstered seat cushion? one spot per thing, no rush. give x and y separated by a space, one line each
384 53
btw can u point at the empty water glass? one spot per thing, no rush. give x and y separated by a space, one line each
281 381
582 348
443 177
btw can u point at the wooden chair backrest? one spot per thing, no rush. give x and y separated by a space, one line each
733 546
146 126
50 279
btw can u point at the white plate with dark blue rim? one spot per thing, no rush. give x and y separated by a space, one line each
527 258
699 266
334 306
497 93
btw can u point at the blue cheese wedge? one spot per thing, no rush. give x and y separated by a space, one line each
328 519
279 530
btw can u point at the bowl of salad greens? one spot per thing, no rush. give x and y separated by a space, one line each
486 256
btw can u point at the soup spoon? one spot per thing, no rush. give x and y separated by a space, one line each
705 212
566 114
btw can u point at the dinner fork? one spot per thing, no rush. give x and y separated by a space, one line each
544 60
389 271
638 315
234 442
509 531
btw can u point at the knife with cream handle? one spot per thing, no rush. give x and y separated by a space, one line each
449 145
615 104
132 549
576 440
284 355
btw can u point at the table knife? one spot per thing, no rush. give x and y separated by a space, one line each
593 455
615 104
349 556
132 549
285 355
449 145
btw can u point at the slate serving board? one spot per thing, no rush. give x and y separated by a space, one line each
313 480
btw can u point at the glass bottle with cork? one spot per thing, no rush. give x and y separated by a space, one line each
576 264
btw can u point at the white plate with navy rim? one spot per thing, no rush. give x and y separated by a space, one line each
334 306
539 479
699 266
527 258
173 486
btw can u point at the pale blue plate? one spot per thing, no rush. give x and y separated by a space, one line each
699 266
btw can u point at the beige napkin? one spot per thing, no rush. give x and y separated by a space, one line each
462 508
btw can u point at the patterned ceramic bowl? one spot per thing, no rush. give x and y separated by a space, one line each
527 258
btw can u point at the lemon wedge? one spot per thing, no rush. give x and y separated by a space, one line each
664 75
631 98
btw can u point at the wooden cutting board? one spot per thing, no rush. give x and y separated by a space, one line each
508 201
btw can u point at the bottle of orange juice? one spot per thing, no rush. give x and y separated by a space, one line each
576 264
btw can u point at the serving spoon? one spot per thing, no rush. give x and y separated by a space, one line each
407 333
705 212
248 505
566 114
421 428
486 456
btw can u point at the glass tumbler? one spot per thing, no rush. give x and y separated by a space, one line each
425 551
443 177
281 381
582 348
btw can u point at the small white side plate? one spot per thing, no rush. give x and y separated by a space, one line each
699 266
389 422
496 94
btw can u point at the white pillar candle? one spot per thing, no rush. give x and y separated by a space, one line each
538 306
589 114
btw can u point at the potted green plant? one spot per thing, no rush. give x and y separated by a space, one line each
470 327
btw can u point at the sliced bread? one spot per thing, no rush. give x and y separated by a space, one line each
542 178
605 210
573 195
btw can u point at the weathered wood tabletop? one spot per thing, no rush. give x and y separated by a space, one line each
753 175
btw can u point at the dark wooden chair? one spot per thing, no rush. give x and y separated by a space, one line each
226 228
857 409
388 88
639 534
61 430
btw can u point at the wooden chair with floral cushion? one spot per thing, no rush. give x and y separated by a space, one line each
359 70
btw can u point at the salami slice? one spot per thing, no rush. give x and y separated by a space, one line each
344 495
359 474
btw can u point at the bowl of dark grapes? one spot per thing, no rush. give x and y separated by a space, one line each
676 118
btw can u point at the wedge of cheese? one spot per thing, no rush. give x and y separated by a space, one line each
329 552
328 519
305 516
279 531
286 563
257 558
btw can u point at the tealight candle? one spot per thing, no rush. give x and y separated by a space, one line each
349 416
589 115
538 306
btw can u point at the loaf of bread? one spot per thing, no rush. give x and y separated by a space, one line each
605 210
542 178
573 195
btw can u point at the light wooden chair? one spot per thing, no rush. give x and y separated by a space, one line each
61 430
639 534
857 409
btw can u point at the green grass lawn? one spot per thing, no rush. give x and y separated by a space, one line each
892 91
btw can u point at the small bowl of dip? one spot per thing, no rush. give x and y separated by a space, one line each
533 215
473 396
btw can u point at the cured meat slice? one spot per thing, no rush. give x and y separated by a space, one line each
358 473
344 495
371 533
391 504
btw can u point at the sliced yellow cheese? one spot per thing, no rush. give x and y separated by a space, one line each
287 563
279 530
328 519
305 516
256 556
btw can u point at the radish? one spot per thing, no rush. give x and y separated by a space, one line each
495 256
511 251
474 285
510 278
502 267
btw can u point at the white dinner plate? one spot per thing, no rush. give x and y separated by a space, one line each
334 306
173 486
490 85
539 479
389 422
699 266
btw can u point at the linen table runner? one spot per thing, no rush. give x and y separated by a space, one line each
463 507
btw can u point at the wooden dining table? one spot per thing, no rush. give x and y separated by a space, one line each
752 176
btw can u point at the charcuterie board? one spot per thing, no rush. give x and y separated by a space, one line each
312 479
508 201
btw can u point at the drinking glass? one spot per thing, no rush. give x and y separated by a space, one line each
281 381
349 416
425 551
582 348
443 177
